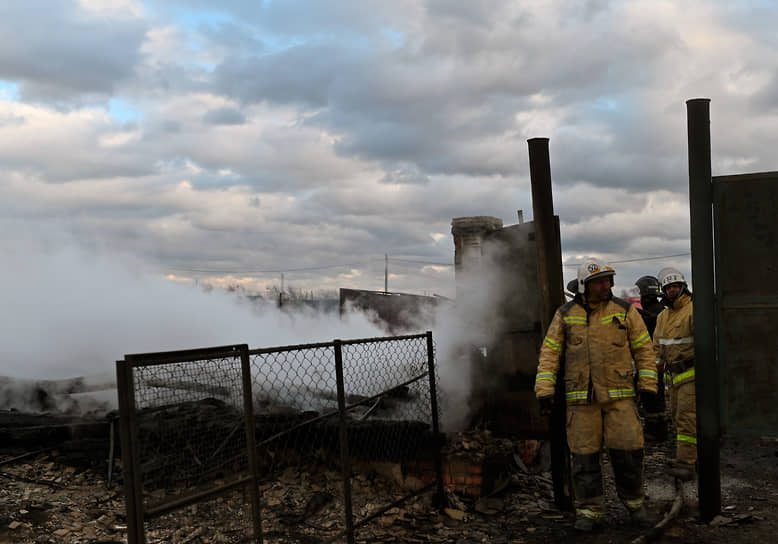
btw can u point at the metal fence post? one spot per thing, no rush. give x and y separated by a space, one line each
251 447
344 455
707 373
435 425
132 480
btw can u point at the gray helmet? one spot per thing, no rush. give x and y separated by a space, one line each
669 275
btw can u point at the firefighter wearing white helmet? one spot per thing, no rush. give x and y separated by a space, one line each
599 335
674 346
669 275
592 269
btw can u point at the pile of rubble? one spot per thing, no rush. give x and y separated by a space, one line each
48 495
45 498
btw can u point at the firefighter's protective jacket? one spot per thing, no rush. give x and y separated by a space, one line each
598 347
674 339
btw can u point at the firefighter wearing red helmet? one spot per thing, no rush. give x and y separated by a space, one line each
599 335
674 345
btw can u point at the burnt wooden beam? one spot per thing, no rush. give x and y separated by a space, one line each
208 388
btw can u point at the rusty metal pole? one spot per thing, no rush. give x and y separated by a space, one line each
344 454
123 387
251 445
549 250
131 470
546 229
706 363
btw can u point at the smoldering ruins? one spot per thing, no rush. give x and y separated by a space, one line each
189 432
372 439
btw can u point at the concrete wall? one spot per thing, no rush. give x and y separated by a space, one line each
501 282
398 313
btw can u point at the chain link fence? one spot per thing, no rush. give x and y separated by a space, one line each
283 443
186 437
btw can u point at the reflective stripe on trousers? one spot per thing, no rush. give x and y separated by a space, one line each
683 404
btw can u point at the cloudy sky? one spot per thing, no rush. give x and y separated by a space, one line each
232 141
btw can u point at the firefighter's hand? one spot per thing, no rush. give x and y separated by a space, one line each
647 400
546 405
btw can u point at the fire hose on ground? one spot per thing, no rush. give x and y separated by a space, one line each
656 531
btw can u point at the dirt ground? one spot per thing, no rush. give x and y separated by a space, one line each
47 497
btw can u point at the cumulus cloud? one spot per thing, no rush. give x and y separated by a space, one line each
224 116
87 57
247 137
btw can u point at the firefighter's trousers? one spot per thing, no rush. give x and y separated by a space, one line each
616 425
683 404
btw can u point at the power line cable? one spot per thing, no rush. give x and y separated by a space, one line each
391 259
638 259
277 271
302 269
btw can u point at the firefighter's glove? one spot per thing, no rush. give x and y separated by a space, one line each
546 406
648 400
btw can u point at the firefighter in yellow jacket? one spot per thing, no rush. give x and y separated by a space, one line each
674 345
599 335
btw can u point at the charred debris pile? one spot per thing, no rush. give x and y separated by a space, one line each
44 414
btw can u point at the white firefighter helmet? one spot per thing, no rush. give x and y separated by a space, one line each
592 269
669 275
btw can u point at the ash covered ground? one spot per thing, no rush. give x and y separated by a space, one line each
56 495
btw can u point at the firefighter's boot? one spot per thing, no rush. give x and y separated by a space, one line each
628 471
585 525
639 517
588 491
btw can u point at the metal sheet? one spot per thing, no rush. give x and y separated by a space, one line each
750 345
747 291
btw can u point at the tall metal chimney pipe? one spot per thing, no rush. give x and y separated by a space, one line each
707 366
549 250
546 229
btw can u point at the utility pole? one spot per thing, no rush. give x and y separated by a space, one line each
386 272
281 292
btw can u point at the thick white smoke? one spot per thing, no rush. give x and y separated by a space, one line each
71 313
467 330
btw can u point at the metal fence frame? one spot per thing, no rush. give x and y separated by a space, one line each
137 514
133 482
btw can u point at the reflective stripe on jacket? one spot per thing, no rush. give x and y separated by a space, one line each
598 349
674 337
